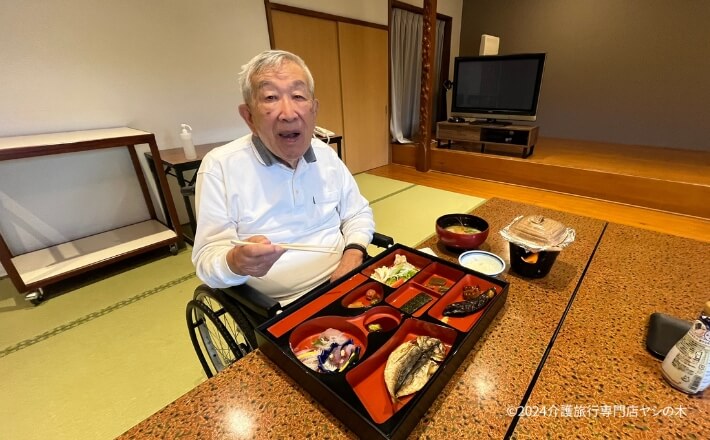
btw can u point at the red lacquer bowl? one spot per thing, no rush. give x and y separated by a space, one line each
461 241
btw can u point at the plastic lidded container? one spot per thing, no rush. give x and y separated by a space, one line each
687 365
535 242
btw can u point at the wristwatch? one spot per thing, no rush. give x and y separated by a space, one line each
357 246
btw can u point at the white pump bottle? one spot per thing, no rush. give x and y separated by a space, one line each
186 141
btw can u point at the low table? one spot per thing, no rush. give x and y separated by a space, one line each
534 352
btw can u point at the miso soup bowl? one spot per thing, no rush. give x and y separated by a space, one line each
461 241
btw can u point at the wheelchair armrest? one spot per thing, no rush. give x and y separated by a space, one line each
254 300
382 240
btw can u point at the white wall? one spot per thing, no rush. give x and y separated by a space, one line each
81 64
453 9
151 65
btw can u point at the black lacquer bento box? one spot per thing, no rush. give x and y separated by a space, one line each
358 394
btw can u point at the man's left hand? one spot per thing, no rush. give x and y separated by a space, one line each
351 259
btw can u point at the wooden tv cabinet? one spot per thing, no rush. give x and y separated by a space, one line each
523 136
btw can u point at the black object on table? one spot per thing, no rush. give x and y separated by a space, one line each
663 333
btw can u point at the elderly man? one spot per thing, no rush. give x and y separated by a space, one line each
278 185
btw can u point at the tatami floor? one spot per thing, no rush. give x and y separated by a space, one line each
108 351
99 357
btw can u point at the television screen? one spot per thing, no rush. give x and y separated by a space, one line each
495 87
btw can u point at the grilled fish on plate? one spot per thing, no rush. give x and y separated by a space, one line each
410 365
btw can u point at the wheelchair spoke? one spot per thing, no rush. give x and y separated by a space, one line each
224 352
219 330
216 347
229 324
219 346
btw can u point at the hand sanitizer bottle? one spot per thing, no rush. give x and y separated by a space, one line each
186 141
687 365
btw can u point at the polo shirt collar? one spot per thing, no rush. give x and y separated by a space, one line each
268 158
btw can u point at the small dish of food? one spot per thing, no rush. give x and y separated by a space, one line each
396 269
367 295
484 262
461 231
328 344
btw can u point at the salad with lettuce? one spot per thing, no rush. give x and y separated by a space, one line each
397 274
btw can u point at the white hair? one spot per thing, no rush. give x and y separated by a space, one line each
270 60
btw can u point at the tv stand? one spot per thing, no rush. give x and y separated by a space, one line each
490 122
523 136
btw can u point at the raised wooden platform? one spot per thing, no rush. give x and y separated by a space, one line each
665 179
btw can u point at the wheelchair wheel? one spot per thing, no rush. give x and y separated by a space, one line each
214 346
220 332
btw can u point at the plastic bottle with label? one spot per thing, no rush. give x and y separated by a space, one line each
186 141
687 365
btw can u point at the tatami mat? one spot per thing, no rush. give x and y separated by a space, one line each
409 216
27 321
98 379
374 188
93 362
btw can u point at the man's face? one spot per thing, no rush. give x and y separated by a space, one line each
283 112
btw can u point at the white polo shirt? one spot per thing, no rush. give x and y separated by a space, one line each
242 191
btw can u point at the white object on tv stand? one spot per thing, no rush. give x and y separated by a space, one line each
32 271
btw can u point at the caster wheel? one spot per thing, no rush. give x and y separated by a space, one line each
35 297
173 249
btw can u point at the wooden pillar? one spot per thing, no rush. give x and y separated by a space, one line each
425 97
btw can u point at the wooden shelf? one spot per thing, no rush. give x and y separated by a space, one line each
34 270
56 262
522 136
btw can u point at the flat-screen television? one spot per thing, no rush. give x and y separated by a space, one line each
497 87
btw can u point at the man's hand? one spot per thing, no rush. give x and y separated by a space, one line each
254 259
351 259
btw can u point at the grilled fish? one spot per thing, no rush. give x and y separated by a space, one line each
410 365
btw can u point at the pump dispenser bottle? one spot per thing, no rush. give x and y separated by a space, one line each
186 141
687 365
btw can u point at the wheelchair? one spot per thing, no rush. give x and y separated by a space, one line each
222 322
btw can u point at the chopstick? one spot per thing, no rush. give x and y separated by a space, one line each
294 246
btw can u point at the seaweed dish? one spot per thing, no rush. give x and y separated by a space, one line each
415 303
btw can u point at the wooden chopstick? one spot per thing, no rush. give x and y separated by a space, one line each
294 246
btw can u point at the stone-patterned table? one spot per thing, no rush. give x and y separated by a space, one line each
599 380
254 399
493 379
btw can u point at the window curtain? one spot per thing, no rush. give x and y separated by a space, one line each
406 41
